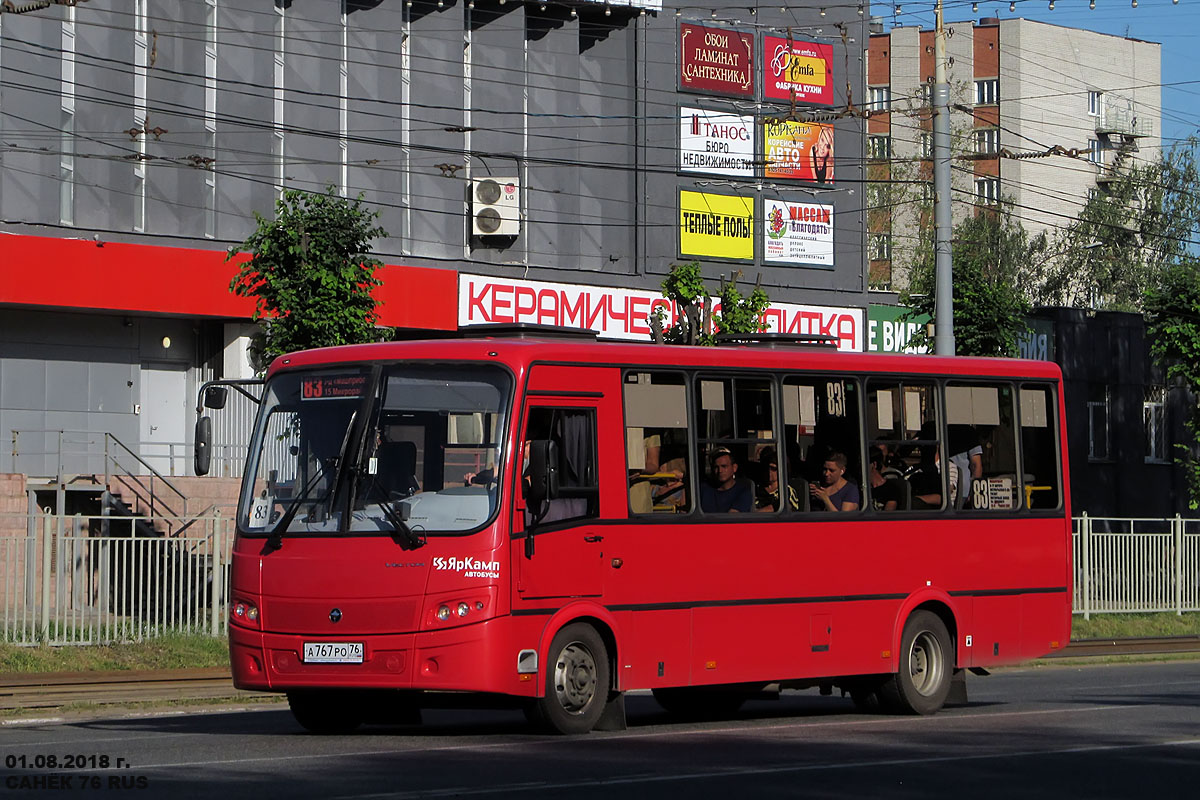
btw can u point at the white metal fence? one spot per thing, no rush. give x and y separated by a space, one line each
1125 565
95 580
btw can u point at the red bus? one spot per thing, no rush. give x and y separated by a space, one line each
553 521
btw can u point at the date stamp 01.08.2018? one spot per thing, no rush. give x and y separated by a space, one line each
70 772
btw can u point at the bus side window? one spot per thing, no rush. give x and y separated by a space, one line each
656 443
982 444
1039 448
820 419
735 424
902 420
573 432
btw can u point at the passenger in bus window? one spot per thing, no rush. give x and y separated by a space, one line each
726 492
886 493
967 459
658 485
837 493
767 497
926 479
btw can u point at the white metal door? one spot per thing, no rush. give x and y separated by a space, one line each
164 418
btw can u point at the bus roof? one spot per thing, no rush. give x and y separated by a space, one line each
522 351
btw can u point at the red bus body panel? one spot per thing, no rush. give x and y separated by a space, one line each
680 602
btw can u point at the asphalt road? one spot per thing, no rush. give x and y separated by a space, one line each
1048 732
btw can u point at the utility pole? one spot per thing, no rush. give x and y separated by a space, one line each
943 309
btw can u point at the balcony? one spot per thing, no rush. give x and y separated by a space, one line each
1123 122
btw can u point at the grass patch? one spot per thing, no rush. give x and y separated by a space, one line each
1134 626
169 651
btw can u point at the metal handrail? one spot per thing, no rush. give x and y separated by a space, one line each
152 471
112 467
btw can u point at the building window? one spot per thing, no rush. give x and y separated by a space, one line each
880 246
879 98
1154 413
1095 104
986 91
987 140
210 119
1097 422
1095 151
879 148
987 190
926 95
141 64
278 146
926 143
66 154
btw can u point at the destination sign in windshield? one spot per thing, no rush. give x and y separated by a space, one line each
333 387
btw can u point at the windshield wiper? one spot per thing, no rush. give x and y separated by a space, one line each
409 539
275 540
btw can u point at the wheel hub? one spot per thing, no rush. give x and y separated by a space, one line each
925 663
575 678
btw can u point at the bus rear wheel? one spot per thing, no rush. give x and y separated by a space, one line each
577 682
325 712
926 667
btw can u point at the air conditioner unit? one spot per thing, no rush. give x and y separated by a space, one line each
495 207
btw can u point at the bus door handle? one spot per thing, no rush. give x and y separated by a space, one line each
594 538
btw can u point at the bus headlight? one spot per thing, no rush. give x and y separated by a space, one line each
443 613
244 613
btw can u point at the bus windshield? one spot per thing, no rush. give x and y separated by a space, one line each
408 448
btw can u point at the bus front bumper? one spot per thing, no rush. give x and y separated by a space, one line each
477 658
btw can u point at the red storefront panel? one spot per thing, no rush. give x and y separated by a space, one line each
84 274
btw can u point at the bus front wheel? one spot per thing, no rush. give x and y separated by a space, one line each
926 667
577 682
324 712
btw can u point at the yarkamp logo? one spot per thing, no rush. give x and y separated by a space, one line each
469 567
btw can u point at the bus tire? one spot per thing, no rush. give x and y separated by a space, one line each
864 693
926 667
577 682
325 713
695 702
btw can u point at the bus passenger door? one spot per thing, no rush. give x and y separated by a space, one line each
565 555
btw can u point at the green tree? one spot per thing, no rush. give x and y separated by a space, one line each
684 285
310 274
1173 315
988 250
1125 237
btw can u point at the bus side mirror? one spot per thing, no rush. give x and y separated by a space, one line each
542 475
203 447
215 397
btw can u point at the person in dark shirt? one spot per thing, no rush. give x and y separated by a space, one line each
926 479
885 492
725 493
768 493
837 493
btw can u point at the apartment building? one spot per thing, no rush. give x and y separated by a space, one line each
1042 116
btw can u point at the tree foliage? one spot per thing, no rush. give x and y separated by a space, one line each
1125 237
685 287
310 274
988 251
1173 315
